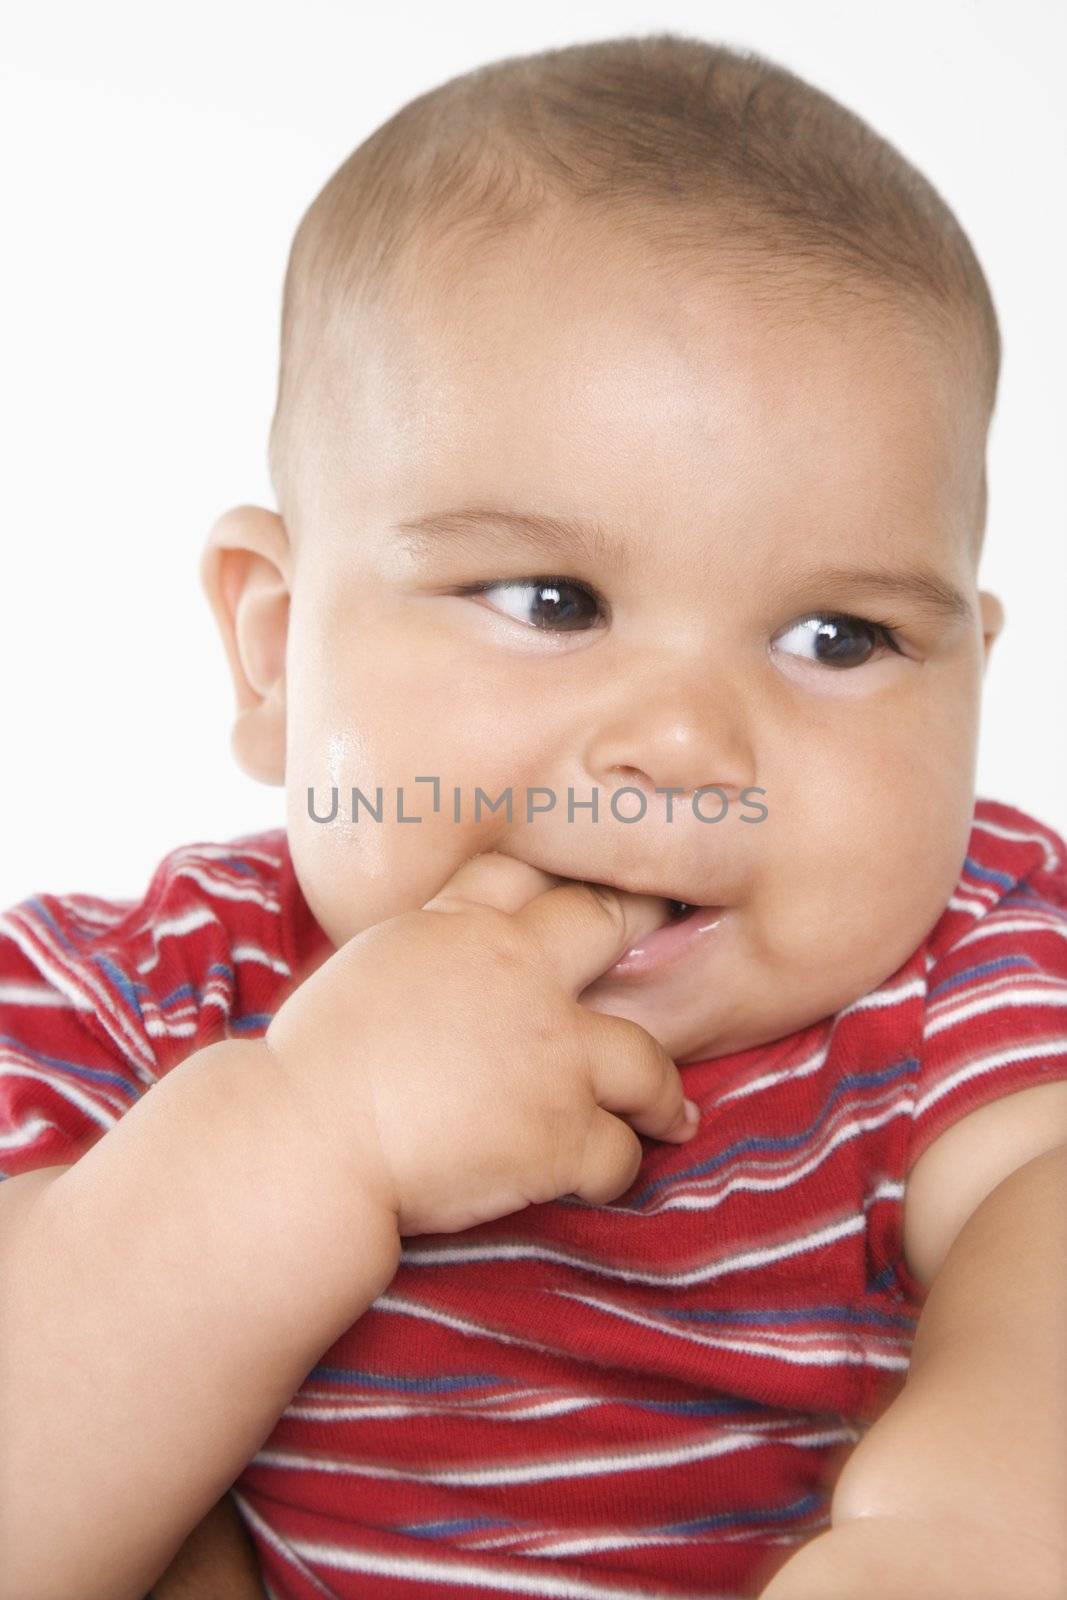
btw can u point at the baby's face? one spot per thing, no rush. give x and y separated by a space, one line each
733 457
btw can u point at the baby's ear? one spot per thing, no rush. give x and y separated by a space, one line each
992 614
245 574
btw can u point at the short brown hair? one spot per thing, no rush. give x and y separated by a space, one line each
663 134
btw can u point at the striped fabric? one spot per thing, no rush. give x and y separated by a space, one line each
649 1397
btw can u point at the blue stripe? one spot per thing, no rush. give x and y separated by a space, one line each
999 965
380 1380
126 989
745 1516
184 991
829 1313
1033 901
255 1019
435 1530
728 1519
75 1068
975 870
898 1072
694 1408
42 911
442 1386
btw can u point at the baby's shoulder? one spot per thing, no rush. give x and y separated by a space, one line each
209 935
964 1164
992 1080
101 997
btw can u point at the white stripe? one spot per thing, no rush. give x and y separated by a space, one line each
223 889
1035 923
171 1025
339 1558
703 1195
213 995
104 916
279 1546
826 1356
53 963
158 1029
63 1088
975 1069
1051 856
28 1133
496 1408
990 892
694 1193
543 1470
739 1261
252 952
805 1069
995 1000
878 999
888 1189
697 1539
957 902
911 988
324 1411
220 852
166 927
33 994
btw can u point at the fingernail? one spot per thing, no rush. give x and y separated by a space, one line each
692 1113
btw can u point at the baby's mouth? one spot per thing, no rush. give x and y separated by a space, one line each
673 910
683 933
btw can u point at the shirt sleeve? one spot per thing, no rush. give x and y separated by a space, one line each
71 1064
996 1013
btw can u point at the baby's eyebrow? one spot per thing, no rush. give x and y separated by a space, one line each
559 537
567 537
921 585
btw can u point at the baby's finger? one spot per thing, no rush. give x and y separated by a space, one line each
582 929
633 1076
491 879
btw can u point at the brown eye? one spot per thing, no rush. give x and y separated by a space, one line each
832 639
552 604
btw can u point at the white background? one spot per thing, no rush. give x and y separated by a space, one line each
157 160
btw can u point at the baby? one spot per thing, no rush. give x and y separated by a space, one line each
618 644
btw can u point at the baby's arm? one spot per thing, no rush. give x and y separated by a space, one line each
957 1491
161 1300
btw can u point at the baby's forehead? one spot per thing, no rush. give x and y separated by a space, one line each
579 291
592 362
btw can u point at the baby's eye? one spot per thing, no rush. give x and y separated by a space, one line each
545 603
836 640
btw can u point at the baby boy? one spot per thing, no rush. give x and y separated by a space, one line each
618 644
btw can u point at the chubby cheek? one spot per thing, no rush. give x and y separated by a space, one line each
864 856
383 738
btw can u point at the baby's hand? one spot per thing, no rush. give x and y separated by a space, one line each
444 1056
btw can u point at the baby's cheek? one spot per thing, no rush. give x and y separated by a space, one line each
840 918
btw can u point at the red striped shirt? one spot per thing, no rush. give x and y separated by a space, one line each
649 1397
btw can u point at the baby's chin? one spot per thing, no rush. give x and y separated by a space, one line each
695 1037
682 1042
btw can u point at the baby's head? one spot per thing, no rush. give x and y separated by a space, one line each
738 360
